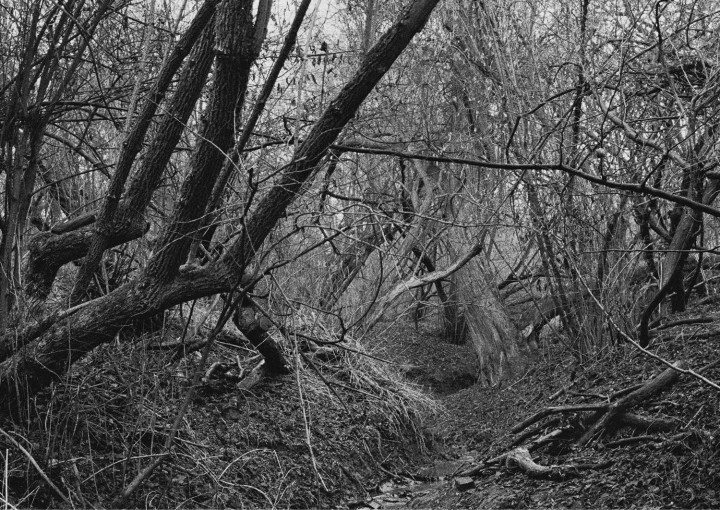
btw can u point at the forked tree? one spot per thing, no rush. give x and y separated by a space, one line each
223 41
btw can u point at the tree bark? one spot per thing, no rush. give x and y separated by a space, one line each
32 368
65 248
48 252
648 390
256 330
172 125
237 48
207 231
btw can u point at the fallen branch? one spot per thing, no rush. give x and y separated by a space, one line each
554 410
649 425
688 320
520 458
632 440
655 439
648 390
571 408
547 438
420 281
532 432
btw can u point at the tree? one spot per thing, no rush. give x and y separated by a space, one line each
48 349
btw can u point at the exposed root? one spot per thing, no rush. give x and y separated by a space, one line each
604 419
520 458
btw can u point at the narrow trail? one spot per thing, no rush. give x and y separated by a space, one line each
477 421
472 418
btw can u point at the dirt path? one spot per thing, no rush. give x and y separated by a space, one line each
478 419
473 419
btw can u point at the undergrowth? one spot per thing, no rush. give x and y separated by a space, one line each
311 438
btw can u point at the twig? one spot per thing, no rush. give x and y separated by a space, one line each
557 394
325 381
36 466
710 365
694 416
708 300
554 410
419 281
627 337
630 440
532 432
306 422
688 320
121 498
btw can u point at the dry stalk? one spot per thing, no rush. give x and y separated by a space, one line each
35 465
654 356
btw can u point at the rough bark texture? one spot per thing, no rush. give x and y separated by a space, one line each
29 370
48 252
672 273
648 390
325 131
209 221
62 249
236 51
256 330
148 177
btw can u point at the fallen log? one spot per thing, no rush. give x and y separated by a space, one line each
648 390
547 438
647 425
554 410
605 417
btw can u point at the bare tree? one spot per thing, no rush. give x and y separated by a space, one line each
49 349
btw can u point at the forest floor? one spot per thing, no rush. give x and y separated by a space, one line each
678 468
345 430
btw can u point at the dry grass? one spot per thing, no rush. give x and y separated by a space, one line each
111 416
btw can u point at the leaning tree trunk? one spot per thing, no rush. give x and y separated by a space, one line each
171 128
30 369
49 251
683 239
489 328
430 199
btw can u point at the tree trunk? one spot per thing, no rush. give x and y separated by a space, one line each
30 369
62 249
256 330
172 125
672 269
490 329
